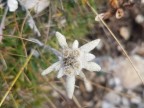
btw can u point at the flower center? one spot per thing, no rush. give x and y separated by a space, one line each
70 61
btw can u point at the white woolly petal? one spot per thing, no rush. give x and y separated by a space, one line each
36 41
51 68
37 5
12 4
70 85
75 44
43 4
99 16
88 56
33 26
56 52
58 66
78 71
92 66
61 39
35 53
60 73
90 46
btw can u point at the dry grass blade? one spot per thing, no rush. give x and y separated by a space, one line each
16 78
11 95
76 102
48 28
20 33
3 61
124 51
50 101
20 38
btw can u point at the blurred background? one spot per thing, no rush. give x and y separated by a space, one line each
31 28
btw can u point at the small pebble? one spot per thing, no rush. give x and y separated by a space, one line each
125 32
113 98
114 81
125 101
107 105
139 19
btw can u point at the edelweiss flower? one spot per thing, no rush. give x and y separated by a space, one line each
37 5
12 4
72 60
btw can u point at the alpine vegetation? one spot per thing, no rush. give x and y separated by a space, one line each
72 60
